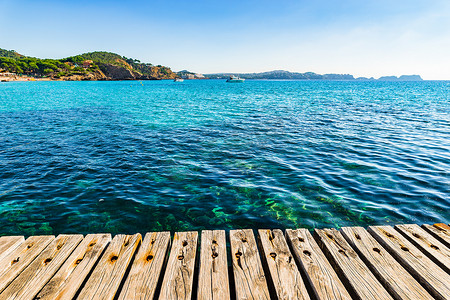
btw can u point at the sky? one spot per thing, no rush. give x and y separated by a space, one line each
359 37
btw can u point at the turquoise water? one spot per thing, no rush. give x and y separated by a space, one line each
125 157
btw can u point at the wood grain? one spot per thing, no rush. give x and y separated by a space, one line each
8 244
145 273
321 276
434 249
433 278
179 276
17 260
440 231
355 274
391 274
39 272
107 275
66 282
284 274
213 276
250 281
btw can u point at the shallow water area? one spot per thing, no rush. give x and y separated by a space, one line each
126 156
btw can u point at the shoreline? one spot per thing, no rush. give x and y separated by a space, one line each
23 78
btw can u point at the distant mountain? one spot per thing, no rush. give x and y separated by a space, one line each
97 65
401 78
101 65
281 74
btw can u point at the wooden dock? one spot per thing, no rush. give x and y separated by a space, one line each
380 262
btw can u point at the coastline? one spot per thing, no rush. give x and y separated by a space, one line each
23 78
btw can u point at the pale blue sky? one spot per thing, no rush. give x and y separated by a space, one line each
363 38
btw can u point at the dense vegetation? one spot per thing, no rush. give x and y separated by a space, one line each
9 53
43 67
97 63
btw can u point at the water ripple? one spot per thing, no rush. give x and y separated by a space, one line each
118 157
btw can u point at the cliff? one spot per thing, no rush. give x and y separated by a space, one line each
88 66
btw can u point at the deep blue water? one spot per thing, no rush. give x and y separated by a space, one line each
126 157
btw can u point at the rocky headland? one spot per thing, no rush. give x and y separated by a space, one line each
88 66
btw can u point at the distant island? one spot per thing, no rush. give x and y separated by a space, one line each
280 74
100 65
97 65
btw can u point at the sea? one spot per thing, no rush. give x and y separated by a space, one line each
140 156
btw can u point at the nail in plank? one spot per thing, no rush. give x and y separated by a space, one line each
434 249
250 281
69 278
321 276
14 263
107 275
284 273
350 267
179 276
8 244
145 272
391 274
39 272
213 276
413 260
440 231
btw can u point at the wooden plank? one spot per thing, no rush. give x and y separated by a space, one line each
284 274
321 276
250 281
213 276
434 249
352 270
440 231
433 278
107 275
66 282
179 277
36 275
12 264
8 244
392 275
145 273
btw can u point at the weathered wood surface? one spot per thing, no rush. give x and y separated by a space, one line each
36 275
213 274
435 280
284 274
145 273
321 276
179 276
408 262
437 251
441 231
107 275
392 275
358 278
8 244
66 282
17 260
249 278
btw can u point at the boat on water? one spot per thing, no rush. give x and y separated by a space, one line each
234 78
178 80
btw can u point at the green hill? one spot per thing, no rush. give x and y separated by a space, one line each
9 54
97 65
